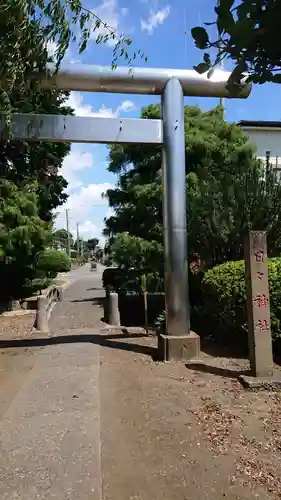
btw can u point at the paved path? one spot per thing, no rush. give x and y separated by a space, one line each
50 433
49 404
82 306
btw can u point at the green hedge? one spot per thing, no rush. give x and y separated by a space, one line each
52 262
110 277
129 281
223 305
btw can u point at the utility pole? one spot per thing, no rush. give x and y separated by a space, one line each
77 237
82 248
68 235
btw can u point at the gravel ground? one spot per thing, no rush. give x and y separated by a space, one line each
16 326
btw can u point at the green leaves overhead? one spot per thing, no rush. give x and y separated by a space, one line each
55 21
31 186
249 33
29 27
225 5
202 68
276 78
200 37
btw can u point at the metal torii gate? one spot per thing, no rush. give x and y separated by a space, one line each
172 85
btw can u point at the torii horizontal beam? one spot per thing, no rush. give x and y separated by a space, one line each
123 80
60 128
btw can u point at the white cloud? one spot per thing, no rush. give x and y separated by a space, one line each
52 48
126 107
75 101
82 208
89 230
155 19
72 166
109 13
85 202
110 213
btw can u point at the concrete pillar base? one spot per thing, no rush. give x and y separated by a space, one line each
178 347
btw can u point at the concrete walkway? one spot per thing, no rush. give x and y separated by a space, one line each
82 306
50 434
50 425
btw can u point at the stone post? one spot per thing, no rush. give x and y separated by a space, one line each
60 291
106 304
258 304
41 314
113 310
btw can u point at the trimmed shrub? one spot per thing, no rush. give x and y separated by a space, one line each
160 323
110 277
52 262
129 281
224 300
36 285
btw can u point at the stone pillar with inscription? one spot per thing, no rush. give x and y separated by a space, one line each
258 304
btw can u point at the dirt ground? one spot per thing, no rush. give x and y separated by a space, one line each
185 432
170 431
16 325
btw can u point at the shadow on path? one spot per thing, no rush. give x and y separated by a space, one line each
95 300
218 349
215 370
96 288
110 340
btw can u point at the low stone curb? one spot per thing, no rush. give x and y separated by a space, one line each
130 330
261 383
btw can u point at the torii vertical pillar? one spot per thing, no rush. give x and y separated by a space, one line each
179 343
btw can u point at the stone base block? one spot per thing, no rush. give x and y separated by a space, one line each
178 347
262 383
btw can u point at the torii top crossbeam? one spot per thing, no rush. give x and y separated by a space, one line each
125 80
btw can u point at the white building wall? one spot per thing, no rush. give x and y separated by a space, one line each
267 141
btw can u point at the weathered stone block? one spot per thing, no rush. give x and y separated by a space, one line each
178 347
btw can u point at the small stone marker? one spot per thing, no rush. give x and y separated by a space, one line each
258 304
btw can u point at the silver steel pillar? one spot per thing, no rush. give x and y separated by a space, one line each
174 210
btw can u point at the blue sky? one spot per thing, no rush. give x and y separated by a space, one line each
157 28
